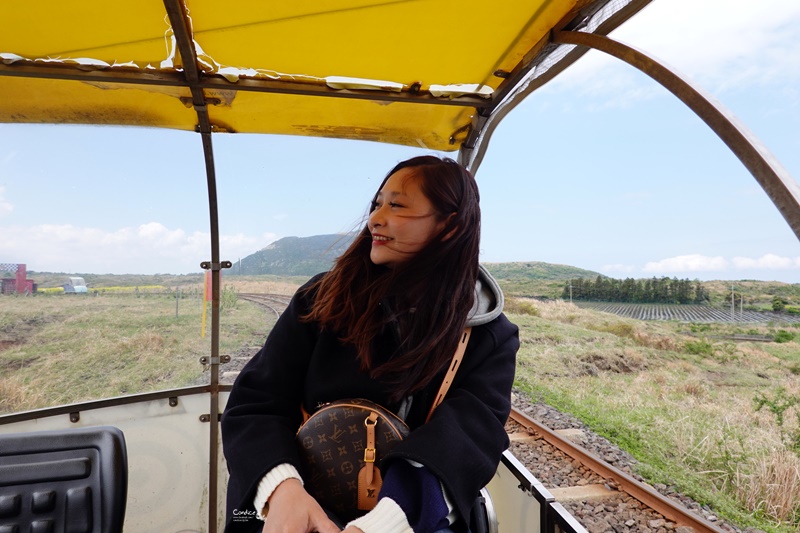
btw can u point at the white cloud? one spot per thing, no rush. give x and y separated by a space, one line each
723 44
160 235
687 263
768 261
6 207
147 249
763 267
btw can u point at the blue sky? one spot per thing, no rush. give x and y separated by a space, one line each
602 169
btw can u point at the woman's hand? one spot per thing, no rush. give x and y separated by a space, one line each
352 529
293 510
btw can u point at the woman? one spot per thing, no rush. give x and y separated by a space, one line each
383 325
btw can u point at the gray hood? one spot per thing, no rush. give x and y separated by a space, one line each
488 299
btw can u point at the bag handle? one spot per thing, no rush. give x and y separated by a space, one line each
451 372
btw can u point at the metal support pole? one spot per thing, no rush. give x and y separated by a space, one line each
213 459
181 27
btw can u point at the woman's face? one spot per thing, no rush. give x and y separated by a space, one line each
402 220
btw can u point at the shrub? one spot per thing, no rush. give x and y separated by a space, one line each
521 307
659 342
783 336
700 347
621 329
780 404
51 290
726 352
228 298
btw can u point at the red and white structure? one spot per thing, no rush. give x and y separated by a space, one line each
18 284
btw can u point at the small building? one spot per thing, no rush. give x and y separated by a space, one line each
12 286
75 285
19 284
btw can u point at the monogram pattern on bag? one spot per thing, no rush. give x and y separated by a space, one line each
332 442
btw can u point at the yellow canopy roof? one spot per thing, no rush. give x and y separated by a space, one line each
413 72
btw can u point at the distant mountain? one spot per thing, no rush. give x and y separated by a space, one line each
294 256
306 256
537 270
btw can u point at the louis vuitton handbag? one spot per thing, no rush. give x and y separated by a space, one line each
343 441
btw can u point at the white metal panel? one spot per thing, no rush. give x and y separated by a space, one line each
168 457
517 510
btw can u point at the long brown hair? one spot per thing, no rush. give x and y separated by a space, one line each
429 295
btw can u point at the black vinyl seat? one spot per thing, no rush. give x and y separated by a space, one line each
71 481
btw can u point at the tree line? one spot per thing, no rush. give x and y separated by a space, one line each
654 290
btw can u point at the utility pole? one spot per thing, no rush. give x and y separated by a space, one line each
733 308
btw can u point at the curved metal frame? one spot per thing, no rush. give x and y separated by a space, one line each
775 180
527 78
781 188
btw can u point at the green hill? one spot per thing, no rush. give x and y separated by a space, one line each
294 256
535 279
537 270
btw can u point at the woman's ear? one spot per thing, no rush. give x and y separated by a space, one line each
452 231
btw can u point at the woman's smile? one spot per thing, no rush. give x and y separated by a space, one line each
378 240
403 220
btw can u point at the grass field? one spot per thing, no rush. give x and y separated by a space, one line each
61 349
719 420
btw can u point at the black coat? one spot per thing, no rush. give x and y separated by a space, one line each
299 364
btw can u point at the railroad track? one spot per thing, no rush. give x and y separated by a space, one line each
618 501
276 302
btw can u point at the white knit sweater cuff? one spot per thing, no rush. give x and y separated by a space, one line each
270 482
386 517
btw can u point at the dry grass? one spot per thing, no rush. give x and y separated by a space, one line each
521 306
688 415
261 286
565 312
15 396
771 485
656 341
62 349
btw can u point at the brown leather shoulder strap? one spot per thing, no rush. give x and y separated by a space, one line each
451 372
